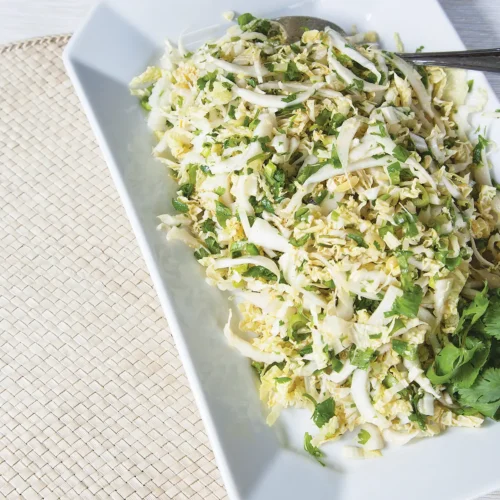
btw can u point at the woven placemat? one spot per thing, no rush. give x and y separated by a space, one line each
94 402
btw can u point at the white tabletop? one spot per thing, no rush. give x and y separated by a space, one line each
477 22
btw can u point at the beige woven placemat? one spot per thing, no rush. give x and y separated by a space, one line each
93 398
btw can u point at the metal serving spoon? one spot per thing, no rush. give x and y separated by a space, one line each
481 60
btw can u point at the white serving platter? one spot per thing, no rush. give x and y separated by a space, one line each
115 43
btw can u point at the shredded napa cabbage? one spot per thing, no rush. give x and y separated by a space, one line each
332 188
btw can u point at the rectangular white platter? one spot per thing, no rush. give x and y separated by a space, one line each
116 43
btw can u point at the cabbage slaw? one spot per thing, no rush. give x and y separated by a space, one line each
333 190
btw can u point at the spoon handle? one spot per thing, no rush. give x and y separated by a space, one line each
481 60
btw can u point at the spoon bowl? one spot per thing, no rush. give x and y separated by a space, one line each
294 26
480 60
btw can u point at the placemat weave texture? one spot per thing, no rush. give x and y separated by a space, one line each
93 398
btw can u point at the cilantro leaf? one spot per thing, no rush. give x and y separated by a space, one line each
416 416
484 395
311 449
222 213
180 206
323 412
328 121
292 73
404 349
473 312
394 171
407 304
209 79
369 305
400 153
359 84
201 253
260 272
491 319
212 245
320 197
289 98
245 19
258 367
450 359
335 160
308 349
408 222
307 171
482 143
239 248
467 374
362 357
208 226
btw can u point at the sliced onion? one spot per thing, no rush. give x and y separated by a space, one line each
273 101
378 316
256 260
361 397
347 132
236 68
375 441
415 372
398 438
415 81
340 43
348 76
265 235
426 404
342 375
248 350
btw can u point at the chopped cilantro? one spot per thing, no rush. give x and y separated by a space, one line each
362 357
212 245
323 412
394 171
482 143
311 449
222 213
245 19
400 153
358 239
180 206
289 98
209 79
260 272
208 226
407 304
